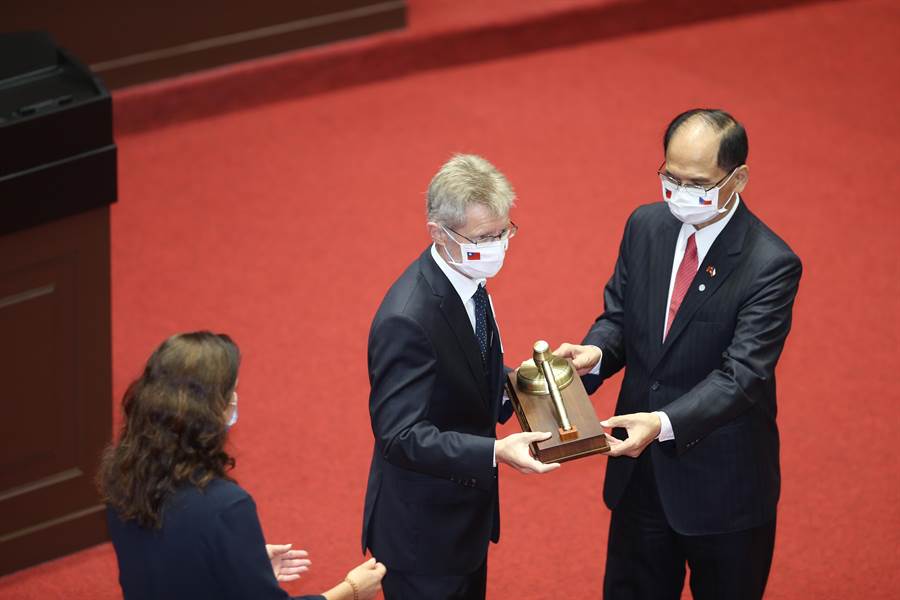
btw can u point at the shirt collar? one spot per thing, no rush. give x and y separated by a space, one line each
705 237
464 286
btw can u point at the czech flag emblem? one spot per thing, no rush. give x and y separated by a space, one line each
704 201
473 255
668 194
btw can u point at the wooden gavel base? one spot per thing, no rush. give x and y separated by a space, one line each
536 413
567 435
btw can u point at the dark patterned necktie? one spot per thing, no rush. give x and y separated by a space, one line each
481 308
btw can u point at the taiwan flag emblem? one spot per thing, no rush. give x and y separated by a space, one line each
668 194
705 201
473 255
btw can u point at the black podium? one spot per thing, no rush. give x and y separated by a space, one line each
57 180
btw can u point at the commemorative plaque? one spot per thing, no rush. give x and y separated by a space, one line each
549 396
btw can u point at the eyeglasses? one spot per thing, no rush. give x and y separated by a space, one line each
666 178
503 236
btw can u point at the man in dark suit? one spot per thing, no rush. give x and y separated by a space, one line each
436 373
697 312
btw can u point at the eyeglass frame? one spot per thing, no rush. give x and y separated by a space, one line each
509 232
679 184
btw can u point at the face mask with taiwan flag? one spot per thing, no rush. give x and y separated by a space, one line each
480 261
694 205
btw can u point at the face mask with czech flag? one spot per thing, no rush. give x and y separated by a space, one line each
691 204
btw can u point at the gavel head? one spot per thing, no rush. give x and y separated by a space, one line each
542 352
530 379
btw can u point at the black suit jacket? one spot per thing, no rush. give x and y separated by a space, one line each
715 374
431 502
210 546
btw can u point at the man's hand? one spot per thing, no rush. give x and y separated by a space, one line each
286 563
584 358
642 429
513 450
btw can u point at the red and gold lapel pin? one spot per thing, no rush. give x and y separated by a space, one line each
711 271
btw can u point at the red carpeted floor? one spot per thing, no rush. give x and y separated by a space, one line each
284 224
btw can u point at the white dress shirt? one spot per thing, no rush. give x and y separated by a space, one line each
704 239
463 285
466 288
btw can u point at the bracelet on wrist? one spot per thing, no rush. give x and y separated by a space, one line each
353 585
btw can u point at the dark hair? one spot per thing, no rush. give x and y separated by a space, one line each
733 147
174 426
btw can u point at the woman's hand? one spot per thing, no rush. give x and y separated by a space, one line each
286 563
366 579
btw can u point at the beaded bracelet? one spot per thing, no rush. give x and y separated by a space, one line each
350 582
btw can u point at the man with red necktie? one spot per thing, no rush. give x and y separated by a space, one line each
697 312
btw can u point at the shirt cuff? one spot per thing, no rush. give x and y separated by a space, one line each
665 427
596 369
504 401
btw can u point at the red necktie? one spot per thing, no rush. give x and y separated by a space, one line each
686 271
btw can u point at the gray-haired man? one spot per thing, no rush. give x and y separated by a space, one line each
436 373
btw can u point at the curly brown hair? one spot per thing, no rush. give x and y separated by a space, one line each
174 430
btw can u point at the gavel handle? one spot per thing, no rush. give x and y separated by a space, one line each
557 398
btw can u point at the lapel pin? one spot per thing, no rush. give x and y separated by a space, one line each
702 287
711 271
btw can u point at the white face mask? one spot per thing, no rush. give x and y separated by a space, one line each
480 261
694 205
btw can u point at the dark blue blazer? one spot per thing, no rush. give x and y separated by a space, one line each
715 374
210 546
431 502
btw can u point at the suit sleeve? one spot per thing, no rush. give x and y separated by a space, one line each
403 374
506 407
240 559
607 332
748 366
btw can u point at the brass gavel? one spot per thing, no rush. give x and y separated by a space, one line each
549 375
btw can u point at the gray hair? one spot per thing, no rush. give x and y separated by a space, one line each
464 180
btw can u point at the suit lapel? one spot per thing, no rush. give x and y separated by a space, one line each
455 314
660 276
496 371
724 256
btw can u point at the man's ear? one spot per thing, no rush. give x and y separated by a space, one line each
741 177
438 236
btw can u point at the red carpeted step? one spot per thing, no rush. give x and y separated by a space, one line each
440 34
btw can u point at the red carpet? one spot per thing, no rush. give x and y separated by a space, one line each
284 224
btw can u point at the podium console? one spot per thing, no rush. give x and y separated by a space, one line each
57 181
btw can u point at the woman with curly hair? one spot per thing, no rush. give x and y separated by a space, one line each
181 527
